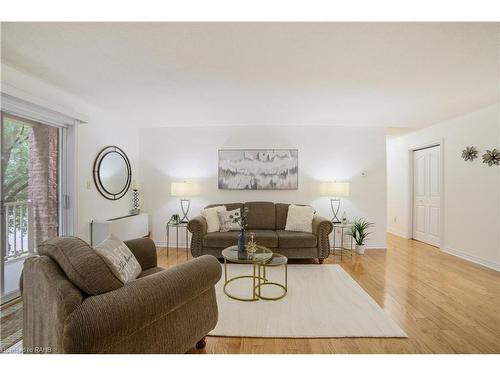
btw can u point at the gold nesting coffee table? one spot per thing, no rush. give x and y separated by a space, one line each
259 260
276 261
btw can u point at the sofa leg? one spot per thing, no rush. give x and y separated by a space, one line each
321 260
201 344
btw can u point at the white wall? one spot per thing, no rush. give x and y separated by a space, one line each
102 129
471 190
325 154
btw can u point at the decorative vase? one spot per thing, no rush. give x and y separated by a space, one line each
135 202
242 243
360 249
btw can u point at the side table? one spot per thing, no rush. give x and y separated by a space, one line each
176 226
344 230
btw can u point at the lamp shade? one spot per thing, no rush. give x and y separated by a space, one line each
337 189
181 189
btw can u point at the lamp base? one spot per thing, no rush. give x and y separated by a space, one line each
335 211
185 211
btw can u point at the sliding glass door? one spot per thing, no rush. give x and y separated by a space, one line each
30 193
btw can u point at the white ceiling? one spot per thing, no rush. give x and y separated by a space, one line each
349 74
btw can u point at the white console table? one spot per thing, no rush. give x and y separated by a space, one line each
124 227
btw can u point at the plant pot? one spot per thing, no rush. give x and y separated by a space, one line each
360 249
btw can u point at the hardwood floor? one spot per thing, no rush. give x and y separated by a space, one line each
444 304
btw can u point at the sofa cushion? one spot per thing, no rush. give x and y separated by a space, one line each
221 239
263 237
81 264
289 240
261 215
281 214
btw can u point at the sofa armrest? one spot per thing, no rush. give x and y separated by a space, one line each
322 228
49 298
198 228
144 250
103 320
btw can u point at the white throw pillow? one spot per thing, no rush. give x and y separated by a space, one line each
210 215
227 218
299 218
119 259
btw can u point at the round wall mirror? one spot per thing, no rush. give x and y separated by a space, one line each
112 173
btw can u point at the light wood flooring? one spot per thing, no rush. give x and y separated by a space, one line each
444 304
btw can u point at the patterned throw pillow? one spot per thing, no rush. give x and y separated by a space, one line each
119 259
227 218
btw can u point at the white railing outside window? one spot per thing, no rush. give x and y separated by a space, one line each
19 228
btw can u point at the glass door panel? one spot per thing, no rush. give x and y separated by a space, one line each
30 194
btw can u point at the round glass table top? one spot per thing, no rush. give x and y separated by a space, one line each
263 254
276 260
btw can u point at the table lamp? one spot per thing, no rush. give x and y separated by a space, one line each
183 190
336 190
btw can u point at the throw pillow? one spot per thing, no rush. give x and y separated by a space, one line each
212 218
227 218
299 218
119 258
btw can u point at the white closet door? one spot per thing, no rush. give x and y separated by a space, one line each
427 195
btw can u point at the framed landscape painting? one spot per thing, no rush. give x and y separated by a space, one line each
265 169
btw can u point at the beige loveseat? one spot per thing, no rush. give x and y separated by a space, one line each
73 303
267 220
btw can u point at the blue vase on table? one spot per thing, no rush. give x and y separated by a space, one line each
242 251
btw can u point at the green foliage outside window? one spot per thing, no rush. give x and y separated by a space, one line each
15 159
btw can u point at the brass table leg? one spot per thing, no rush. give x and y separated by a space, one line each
266 282
286 277
225 271
254 278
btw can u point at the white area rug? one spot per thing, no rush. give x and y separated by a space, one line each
322 301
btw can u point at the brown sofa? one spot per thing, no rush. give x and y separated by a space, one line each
267 220
74 304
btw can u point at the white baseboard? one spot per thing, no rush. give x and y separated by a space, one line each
471 258
371 246
398 233
173 244
376 246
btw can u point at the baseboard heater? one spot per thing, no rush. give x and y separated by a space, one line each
124 227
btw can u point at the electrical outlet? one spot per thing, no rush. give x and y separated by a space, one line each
395 219
89 185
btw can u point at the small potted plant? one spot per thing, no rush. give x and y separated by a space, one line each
359 232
